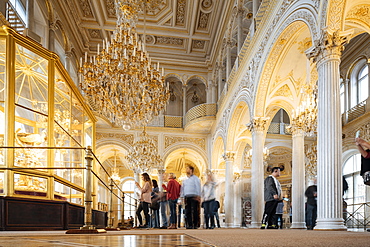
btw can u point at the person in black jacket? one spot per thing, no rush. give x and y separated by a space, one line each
363 146
272 194
311 206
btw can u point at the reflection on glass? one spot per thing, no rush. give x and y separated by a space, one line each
2 97
1 182
65 193
29 185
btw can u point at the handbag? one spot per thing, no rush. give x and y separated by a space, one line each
366 177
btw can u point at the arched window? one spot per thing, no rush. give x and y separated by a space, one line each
355 194
129 209
359 83
342 99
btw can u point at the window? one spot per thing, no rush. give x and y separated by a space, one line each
129 208
20 9
356 188
359 83
342 106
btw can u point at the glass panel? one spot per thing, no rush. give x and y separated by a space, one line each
1 182
364 72
30 132
77 121
363 88
2 97
66 193
29 185
348 166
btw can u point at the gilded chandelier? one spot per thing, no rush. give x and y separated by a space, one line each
143 156
305 117
121 82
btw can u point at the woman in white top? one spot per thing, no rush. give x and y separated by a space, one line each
145 200
208 195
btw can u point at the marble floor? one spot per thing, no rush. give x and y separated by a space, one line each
101 240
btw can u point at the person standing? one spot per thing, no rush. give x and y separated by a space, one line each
191 191
208 195
272 195
173 193
311 206
154 206
363 146
216 206
145 200
279 215
163 203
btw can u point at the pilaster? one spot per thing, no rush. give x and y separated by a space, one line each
229 188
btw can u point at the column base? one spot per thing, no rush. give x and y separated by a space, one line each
298 225
334 224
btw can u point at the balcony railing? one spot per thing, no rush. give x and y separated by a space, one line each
279 128
173 121
357 215
199 111
354 112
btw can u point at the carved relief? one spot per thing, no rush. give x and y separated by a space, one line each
169 140
203 20
180 13
284 91
228 156
198 44
169 41
258 124
86 9
206 4
95 33
109 5
311 160
304 45
361 13
126 138
335 14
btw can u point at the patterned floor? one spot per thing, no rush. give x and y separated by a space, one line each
101 241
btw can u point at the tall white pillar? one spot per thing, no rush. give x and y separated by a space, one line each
327 53
228 59
298 179
257 127
238 214
184 101
229 188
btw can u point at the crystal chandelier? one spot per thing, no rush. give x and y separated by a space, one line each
305 117
120 81
143 155
115 176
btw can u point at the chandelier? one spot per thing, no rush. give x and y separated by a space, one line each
121 82
115 175
305 117
143 155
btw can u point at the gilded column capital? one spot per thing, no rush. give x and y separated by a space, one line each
258 124
329 44
228 156
296 129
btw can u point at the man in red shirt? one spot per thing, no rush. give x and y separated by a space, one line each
173 193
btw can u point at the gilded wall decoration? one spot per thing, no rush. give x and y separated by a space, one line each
304 45
95 33
335 11
198 44
126 138
86 9
170 140
203 20
361 12
311 160
169 41
284 91
109 5
180 13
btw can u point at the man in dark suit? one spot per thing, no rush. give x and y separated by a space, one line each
272 194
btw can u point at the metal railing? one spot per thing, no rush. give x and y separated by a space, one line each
173 121
89 157
354 112
357 215
14 19
279 128
202 110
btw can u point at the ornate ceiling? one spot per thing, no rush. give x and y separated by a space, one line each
183 32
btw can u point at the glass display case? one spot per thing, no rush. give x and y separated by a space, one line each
44 123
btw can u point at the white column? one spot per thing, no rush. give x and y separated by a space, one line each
213 92
257 127
228 60
327 53
240 28
298 180
184 101
229 188
160 179
238 215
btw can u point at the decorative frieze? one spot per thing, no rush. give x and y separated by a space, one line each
169 41
126 138
180 13
86 9
360 12
111 10
203 20
95 33
170 140
198 44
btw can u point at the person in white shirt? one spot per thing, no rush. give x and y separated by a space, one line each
208 195
191 191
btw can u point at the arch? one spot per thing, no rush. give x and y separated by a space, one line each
218 149
302 18
64 37
197 77
177 76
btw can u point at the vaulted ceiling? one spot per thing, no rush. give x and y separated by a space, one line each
182 32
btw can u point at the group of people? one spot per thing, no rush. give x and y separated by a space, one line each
191 193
